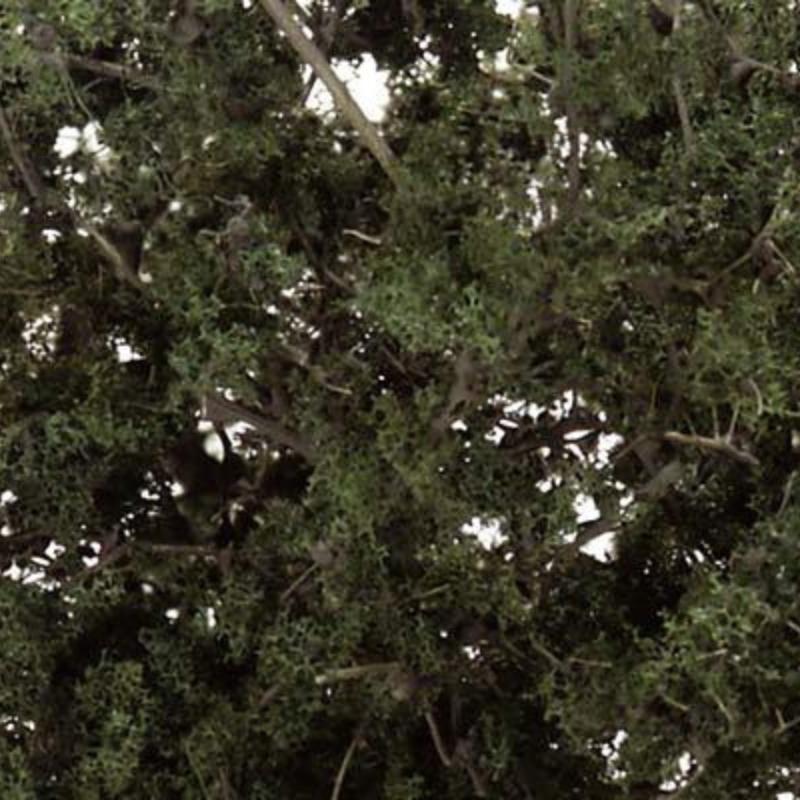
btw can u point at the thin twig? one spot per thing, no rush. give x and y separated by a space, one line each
680 97
348 757
364 237
105 69
30 177
297 583
355 673
437 740
311 54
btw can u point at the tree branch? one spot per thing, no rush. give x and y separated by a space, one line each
27 172
716 444
573 130
217 409
311 54
348 757
105 69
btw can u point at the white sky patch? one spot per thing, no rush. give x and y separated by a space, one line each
510 7
366 83
7 497
40 334
125 353
13 571
471 651
211 618
71 140
213 446
602 548
684 765
606 443
610 751
54 550
488 531
586 508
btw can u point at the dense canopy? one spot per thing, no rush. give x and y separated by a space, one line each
446 456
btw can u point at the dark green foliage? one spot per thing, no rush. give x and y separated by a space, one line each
307 609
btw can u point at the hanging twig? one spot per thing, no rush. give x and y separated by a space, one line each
348 757
437 740
311 54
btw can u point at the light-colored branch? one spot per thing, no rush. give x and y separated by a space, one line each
312 55
437 740
348 757
715 444
677 90
356 673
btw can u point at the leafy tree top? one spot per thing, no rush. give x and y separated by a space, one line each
559 272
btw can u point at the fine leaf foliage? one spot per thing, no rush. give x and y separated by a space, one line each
570 281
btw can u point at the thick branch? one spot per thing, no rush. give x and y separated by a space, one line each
311 54
217 409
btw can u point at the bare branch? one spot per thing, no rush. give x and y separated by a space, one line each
718 445
217 409
311 54
355 673
348 757
680 96
437 740
573 129
105 69
27 172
